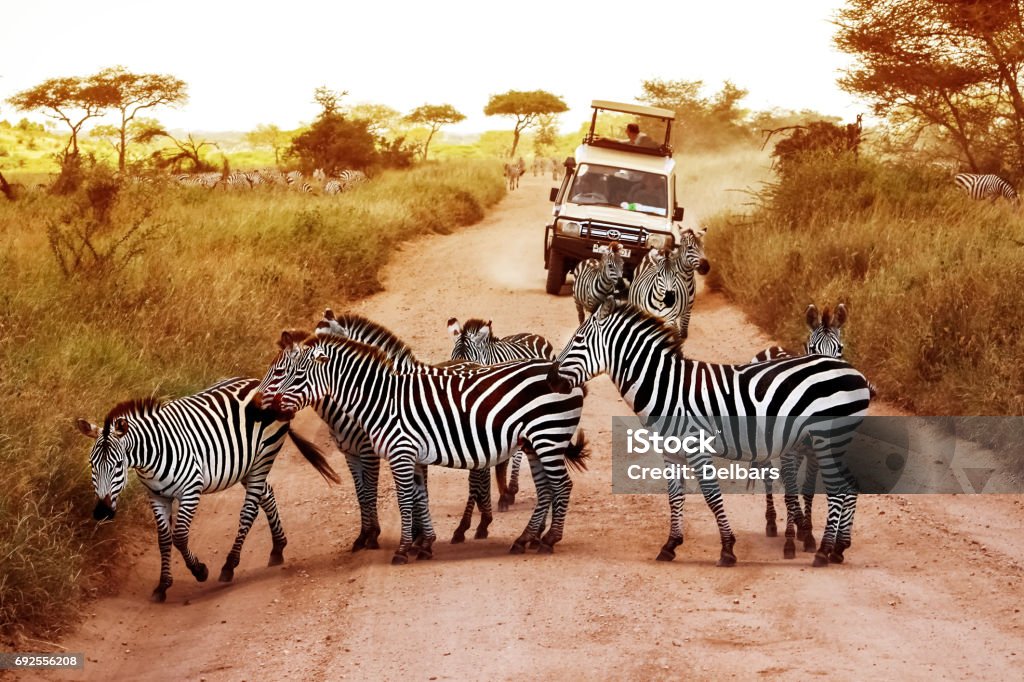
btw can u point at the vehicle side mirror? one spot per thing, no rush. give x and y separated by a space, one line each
553 194
677 213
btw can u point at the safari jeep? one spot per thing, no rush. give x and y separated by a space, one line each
615 190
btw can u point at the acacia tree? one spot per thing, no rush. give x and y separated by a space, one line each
701 121
134 92
189 149
953 65
72 100
434 116
526 107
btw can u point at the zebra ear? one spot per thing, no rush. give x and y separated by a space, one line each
87 428
285 341
841 315
328 314
813 318
454 328
120 427
485 330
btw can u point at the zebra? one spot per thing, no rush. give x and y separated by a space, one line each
297 180
986 187
187 447
475 342
664 284
825 339
237 179
643 356
351 178
459 417
594 281
512 173
207 180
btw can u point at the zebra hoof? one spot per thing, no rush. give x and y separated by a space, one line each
227 574
480 534
458 538
276 558
201 572
666 554
399 559
424 554
517 548
836 557
800 533
371 542
809 544
159 595
771 530
820 560
726 561
544 548
789 550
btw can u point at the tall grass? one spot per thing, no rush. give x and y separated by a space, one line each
933 280
196 293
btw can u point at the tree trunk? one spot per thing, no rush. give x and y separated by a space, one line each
426 145
515 143
5 188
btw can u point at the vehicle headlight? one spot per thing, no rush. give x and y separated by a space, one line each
659 241
569 228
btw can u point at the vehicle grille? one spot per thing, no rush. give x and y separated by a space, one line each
627 236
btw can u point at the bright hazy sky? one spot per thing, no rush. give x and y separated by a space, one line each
248 63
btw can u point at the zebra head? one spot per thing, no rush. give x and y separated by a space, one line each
471 340
584 357
108 461
612 263
267 394
826 337
689 254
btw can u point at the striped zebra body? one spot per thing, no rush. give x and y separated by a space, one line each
825 338
596 280
475 342
184 448
272 177
512 174
643 357
665 285
298 181
458 417
986 187
237 180
207 180
350 179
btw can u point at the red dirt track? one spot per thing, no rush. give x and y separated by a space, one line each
932 586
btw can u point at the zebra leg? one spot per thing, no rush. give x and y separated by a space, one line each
531 534
713 496
844 534
183 522
513 479
483 500
466 521
162 513
423 543
402 468
254 492
501 478
269 505
365 469
810 481
771 530
838 486
676 496
790 464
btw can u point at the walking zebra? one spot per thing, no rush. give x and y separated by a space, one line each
181 449
207 180
644 359
475 342
512 173
466 418
351 178
986 187
664 284
595 281
825 339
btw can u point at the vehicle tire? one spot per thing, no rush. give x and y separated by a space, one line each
556 273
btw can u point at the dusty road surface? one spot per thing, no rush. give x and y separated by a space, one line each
932 586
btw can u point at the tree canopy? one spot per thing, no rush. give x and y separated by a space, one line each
701 122
526 107
434 116
72 100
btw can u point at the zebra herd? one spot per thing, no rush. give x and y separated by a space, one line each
319 181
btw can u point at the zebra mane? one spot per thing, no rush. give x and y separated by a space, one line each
826 318
644 319
473 326
394 347
140 407
362 350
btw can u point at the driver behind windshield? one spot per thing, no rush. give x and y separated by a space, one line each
589 189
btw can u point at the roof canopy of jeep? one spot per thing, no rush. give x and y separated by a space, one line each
652 118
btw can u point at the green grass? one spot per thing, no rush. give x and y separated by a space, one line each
219 277
933 280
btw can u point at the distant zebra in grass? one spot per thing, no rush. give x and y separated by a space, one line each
350 179
596 280
184 448
512 173
986 187
475 342
664 284
207 180
825 339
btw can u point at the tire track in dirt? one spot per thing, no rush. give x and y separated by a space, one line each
932 586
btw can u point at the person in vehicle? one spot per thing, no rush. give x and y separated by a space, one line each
589 189
638 138
650 192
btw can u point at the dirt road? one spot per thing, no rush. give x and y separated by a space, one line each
932 587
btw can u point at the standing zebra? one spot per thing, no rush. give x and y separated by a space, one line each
644 359
512 173
986 187
181 449
456 417
595 281
825 339
475 342
665 285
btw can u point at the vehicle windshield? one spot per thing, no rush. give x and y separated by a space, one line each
626 189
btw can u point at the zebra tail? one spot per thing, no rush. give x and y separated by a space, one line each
314 456
872 392
577 453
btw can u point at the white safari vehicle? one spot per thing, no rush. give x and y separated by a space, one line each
615 190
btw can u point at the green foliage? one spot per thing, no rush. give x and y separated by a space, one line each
434 116
526 107
334 143
171 320
702 122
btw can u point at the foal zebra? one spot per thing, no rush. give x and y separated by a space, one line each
184 448
465 418
475 343
644 359
986 187
665 285
595 281
825 339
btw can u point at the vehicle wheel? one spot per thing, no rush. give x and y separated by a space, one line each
556 273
